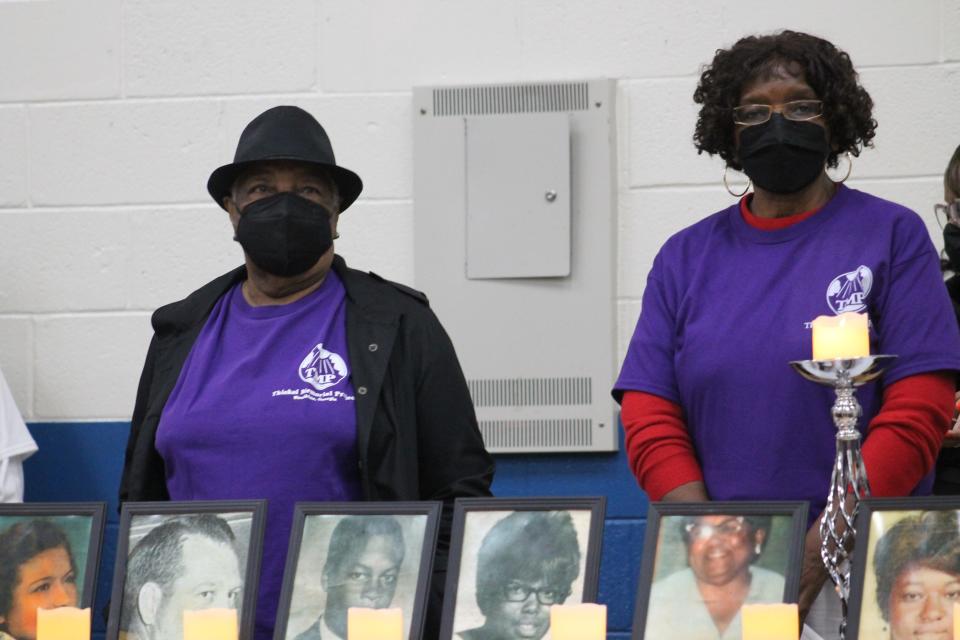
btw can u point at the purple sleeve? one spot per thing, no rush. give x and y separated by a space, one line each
915 320
649 363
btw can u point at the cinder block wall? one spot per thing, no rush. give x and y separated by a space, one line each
114 112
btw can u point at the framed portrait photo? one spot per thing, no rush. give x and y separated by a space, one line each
375 555
512 559
49 555
905 577
180 556
703 561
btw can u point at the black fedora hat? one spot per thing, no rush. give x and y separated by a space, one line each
285 133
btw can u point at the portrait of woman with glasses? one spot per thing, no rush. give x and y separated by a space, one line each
526 563
702 601
710 406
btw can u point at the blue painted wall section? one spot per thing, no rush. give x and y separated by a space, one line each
81 462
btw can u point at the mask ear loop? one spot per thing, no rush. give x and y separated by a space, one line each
726 185
849 169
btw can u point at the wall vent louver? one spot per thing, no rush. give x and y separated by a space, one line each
514 98
530 392
541 435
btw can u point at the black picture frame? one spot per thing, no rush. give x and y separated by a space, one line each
137 519
498 529
791 522
80 523
928 536
315 524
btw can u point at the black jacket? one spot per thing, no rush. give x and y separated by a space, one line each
417 434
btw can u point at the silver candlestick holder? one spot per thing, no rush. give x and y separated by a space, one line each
848 482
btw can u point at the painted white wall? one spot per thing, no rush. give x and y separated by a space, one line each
114 112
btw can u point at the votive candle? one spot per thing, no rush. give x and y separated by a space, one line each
63 623
839 337
210 624
578 622
770 621
374 624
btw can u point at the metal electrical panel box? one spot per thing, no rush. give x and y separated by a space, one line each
514 218
514 229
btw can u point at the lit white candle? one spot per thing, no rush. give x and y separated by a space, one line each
956 621
578 622
63 623
842 336
210 624
770 621
374 624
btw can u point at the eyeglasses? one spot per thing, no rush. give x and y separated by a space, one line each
728 529
947 213
749 115
519 592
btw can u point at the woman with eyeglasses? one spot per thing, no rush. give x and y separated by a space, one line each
703 601
710 406
527 563
948 215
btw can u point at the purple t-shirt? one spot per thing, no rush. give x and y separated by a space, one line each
264 408
727 306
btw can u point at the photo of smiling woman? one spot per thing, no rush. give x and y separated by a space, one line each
37 571
912 575
726 563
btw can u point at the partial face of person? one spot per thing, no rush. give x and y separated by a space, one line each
211 579
46 581
721 548
785 84
370 581
921 604
270 177
524 610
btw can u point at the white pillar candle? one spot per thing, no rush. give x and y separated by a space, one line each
210 624
63 623
374 624
770 621
842 336
578 622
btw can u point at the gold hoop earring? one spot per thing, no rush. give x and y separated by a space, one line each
849 169
726 185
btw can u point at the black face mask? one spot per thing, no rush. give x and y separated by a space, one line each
783 156
284 234
951 244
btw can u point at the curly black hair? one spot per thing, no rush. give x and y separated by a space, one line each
847 106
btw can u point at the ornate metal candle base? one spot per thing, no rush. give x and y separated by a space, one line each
848 484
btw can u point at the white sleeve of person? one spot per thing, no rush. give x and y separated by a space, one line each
16 445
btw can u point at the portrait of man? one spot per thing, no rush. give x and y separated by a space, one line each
526 562
708 567
188 562
362 568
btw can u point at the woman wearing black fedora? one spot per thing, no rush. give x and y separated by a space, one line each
293 377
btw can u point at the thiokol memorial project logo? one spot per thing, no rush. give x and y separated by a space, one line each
849 291
321 369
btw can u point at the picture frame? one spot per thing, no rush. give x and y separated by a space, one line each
368 554
689 545
906 567
513 558
173 556
69 536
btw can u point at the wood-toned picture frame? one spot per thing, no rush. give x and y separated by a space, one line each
511 559
49 557
177 556
356 554
723 548
905 576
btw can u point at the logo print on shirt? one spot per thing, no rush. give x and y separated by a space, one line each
849 291
322 369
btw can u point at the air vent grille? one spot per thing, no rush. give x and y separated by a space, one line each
537 434
511 98
531 392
